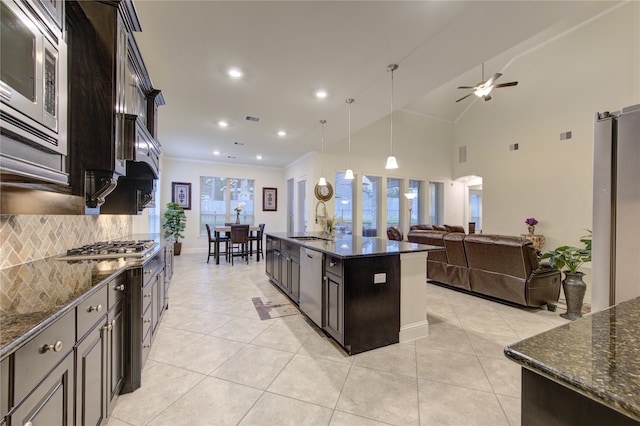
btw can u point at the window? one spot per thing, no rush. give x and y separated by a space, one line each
370 190
416 216
344 203
218 197
475 205
393 201
436 204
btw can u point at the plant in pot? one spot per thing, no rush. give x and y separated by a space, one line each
572 258
174 223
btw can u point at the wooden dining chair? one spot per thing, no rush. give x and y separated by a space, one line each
258 239
239 244
212 241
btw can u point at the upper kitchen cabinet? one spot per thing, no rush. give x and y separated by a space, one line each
108 85
33 94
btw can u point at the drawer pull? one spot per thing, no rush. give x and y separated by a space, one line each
108 327
146 346
119 287
94 308
332 264
147 272
147 295
28 424
56 347
146 321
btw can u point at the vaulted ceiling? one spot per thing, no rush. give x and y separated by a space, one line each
289 49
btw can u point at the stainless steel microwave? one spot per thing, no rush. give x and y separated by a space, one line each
33 63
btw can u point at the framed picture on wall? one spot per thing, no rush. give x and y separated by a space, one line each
181 194
269 199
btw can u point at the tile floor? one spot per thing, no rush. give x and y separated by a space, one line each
215 362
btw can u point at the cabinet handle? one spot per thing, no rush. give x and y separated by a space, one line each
147 321
147 295
108 327
119 287
325 278
56 347
332 264
94 308
146 346
28 424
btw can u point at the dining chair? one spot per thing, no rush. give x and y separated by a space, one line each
258 239
212 241
239 242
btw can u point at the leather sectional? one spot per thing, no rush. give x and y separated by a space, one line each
499 266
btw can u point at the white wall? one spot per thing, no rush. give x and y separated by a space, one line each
177 170
561 86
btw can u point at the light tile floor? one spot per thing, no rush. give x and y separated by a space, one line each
215 362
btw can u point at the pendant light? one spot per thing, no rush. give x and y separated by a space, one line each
349 173
392 163
322 181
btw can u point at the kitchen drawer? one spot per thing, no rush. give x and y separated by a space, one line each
147 295
33 361
333 265
151 268
147 319
117 287
273 243
92 310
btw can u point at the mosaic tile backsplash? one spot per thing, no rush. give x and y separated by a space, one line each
24 238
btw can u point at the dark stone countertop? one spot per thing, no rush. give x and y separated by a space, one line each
597 355
34 294
354 246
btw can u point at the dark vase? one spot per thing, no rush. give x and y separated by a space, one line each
574 289
238 219
177 249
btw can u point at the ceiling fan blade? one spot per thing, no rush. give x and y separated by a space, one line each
492 79
512 83
487 97
466 87
464 97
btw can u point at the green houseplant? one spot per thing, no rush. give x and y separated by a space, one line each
174 224
572 258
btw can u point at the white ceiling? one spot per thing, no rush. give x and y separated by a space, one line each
289 49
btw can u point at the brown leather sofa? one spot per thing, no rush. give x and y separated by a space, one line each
499 266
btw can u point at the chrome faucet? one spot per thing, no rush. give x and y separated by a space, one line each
324 206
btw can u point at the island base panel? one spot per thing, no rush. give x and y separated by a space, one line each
546 402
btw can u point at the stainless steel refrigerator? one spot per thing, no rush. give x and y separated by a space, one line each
616 208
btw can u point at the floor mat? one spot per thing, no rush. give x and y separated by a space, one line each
267 309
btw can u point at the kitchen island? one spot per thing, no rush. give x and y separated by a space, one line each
370 292
584 372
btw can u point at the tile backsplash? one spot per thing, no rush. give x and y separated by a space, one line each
24 238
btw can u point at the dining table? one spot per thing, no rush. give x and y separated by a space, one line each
218 229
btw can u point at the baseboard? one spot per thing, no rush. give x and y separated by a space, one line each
414 331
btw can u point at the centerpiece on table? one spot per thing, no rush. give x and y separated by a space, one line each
572 258
329 224
238 208
531 224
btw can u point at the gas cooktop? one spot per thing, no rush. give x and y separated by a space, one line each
110 250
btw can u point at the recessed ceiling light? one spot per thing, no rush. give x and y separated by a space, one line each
235 73
216 152
259 157
321 94
223 123
282 133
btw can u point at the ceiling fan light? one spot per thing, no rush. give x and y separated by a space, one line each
349 175
482 91
322 181
392 163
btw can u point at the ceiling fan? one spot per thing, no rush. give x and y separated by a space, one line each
484 88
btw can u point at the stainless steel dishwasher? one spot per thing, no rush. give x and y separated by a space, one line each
311 263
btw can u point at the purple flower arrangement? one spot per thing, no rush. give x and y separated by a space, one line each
531 221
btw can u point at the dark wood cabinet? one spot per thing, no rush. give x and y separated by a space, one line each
283 266
91 375
333 305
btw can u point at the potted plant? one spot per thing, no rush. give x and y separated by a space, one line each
572 258
174 223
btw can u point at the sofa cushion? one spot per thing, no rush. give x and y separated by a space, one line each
454 228
513 256
454 245
439 228
421 227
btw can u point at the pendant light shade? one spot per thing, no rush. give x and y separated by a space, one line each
392 163
322 181
349 173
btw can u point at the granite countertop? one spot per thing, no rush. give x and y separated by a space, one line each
354 246
597 355
35 293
